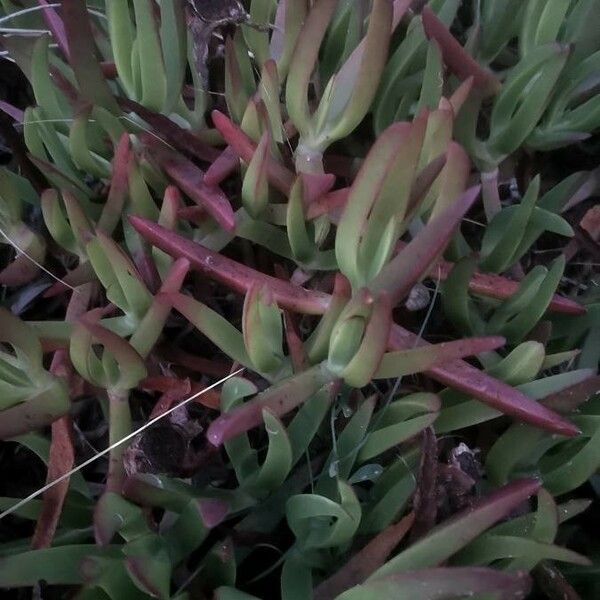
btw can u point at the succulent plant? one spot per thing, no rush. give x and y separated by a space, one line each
265 186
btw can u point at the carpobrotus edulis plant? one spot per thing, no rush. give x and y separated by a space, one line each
349 210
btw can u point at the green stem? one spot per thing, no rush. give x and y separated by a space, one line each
309 159
119 427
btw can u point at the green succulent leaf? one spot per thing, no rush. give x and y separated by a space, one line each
445 540
339 519
263 330
442 584
255 188
400 421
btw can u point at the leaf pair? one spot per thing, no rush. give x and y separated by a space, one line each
31 396
374 215
359 338
119 368
512 232
519 368
514 317
15 194
72 234
562 465
518 108
150 60
258 347
523 542
348 95
402 83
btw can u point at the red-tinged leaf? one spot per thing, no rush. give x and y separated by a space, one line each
279 177
460 95
190 179
52 172
462 376
56 26
83 273
400 8
425 501
305 56
181 139
569 399
193 214
229 272
316 185
175 390
150 574
415 360
211 399
445 584
457 374
152 323
213 511
553 583
179 389
453 178
495 286
590 222
292 335
198 364
169 211
148 272
12 111
332 204
462 64
175 276
61 461
255 185
238 141
365 562
130 363
355 84
362 366
416 259
424 181
279 399
109 69
19 272
294 343
62 453
119 187
378 198
223 166
450 536
92 85
69 91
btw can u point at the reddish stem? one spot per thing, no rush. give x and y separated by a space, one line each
198 364
457 374
229 272
279 177
460 62
223 166
183 140
62 453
